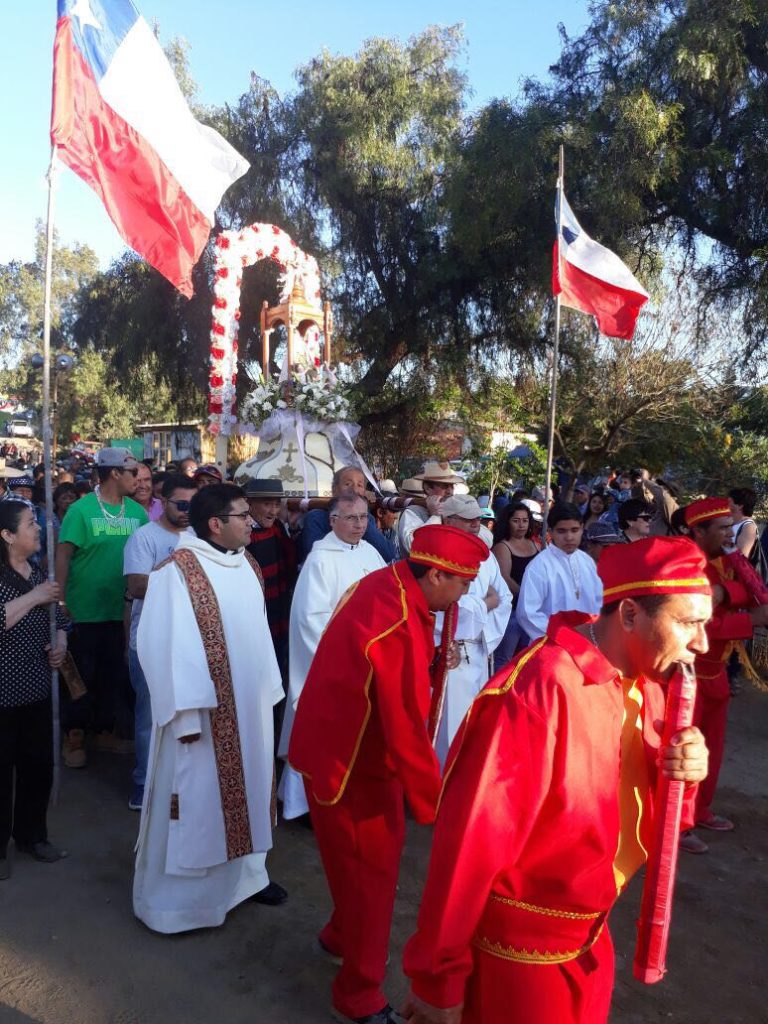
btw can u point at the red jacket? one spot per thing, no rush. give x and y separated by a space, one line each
365 701
528 825
730 621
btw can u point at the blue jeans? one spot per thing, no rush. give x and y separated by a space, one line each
514 637
143 717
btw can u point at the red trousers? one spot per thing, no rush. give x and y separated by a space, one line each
711 716
506 992
360 840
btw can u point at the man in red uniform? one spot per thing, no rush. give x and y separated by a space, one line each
739 607
360 740
547 806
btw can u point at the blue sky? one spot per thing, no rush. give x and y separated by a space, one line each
506 41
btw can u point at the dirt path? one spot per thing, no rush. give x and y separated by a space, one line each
72 953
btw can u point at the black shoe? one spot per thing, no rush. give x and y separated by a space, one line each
272 895
44 851
386 1015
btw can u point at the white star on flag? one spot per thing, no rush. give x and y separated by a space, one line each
82 11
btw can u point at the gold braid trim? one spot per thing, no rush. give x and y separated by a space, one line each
696 581
748 668
714 513
533 956
470 571
570 915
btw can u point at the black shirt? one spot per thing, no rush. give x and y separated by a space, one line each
25 675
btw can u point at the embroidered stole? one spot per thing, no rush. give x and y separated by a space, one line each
224 726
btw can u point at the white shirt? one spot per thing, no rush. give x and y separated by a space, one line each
411 519
556 582
330 569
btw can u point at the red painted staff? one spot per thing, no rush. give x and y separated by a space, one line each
656 910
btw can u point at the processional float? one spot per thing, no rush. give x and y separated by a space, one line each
301 415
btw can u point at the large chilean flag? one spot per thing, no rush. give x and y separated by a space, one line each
120 121
591 278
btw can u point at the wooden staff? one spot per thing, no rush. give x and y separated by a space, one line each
440 671
393 504
656 909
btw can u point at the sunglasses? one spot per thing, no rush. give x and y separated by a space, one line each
645 516
133 472
182 504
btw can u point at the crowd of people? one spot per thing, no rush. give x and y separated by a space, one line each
340 662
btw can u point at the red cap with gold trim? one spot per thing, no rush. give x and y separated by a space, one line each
706 508
655 565
450 549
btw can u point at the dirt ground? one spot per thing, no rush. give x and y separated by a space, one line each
71 951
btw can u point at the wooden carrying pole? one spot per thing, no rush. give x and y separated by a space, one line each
555 354
393 504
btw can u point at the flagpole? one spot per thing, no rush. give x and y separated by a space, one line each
47 426
555 353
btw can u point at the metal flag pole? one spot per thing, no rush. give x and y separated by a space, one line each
555 353
47 425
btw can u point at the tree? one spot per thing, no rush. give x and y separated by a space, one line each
374 137
662 105
21 297
97 404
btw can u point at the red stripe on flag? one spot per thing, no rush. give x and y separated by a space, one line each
615 309
147 205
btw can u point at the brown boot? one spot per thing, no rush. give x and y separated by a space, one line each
74 749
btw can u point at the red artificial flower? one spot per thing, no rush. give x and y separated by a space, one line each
275 229
222 242
222 272
217 353
215 405
220 303
237 315
216 380
218 328
259 254
275 254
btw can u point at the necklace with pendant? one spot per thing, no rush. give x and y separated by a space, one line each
575 576
118 518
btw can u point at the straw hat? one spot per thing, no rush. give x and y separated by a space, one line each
439 473
411 486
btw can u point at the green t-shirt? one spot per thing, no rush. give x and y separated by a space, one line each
95 585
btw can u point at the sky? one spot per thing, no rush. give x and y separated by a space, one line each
507 41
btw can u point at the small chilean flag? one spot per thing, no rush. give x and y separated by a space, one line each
591 278
120 121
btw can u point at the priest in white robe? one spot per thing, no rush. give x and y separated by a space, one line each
560 579
484 612
206 651
337 561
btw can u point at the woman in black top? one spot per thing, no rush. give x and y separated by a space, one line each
514 550
26 660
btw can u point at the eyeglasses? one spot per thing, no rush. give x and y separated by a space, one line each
133 472
645 516
182 504
362 518
234 515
